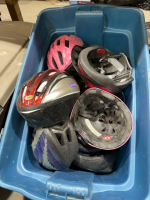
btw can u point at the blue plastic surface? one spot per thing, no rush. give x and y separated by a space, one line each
120 30
79 2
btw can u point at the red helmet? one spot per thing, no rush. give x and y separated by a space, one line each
47 98
59 55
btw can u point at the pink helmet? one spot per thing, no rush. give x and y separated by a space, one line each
59 55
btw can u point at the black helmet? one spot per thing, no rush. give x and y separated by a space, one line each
56 147
101 162
102 119
93 159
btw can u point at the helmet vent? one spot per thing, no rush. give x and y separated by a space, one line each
67 43
60 139
58 42
41 87
119 122
105 113
24 92
68 133
52 73
60 57
54 63
104 129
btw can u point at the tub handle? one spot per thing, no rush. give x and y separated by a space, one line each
70 185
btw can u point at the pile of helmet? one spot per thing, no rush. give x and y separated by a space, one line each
85 130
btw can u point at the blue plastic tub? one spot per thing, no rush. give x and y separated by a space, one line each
120 30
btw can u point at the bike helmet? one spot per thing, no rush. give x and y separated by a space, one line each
59 55
102 119
55 148
100 162
47 98
99 67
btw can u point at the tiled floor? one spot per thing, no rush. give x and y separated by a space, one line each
29 16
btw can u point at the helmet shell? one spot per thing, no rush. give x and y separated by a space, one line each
59 55
99 67
102 119
55 148
47 98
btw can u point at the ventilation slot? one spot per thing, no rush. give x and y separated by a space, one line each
52 73
68 133
104 129
60 57
119 122
105 113
54 63
60 139
58 42
23 94
41 87
67 43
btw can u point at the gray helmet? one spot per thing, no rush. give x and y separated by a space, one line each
55 148
99 67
